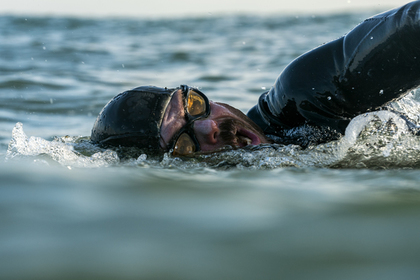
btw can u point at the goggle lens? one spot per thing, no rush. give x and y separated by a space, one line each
196 105
184 145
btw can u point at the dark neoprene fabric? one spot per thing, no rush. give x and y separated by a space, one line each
375 63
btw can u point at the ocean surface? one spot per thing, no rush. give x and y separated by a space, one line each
348 209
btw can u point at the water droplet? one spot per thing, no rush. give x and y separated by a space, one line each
371 37
313 88
243 43
329 97
44 48
263 88
381 92
122 65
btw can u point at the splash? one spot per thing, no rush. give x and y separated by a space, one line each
380 140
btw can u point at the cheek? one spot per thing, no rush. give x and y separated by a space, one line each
239 115
219 112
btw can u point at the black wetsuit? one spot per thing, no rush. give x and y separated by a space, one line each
376 62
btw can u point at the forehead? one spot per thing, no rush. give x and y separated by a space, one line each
173 119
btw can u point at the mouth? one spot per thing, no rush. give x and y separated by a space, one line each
246 137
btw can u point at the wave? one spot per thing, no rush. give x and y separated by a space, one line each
26 83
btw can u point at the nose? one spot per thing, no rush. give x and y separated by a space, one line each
206 131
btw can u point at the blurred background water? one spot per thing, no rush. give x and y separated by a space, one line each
348 209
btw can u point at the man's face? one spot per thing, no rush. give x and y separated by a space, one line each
224 126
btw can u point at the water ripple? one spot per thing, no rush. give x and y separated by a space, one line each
30 84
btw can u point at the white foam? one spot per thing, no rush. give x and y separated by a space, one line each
60 150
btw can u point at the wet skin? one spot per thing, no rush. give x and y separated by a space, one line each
208 130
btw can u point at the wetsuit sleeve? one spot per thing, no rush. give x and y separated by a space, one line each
375 63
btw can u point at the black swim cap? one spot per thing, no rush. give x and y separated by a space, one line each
133 118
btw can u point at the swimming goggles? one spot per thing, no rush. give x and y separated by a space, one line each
196 106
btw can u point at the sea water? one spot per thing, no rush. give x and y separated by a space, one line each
348 209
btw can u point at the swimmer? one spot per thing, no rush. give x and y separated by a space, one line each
375 63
